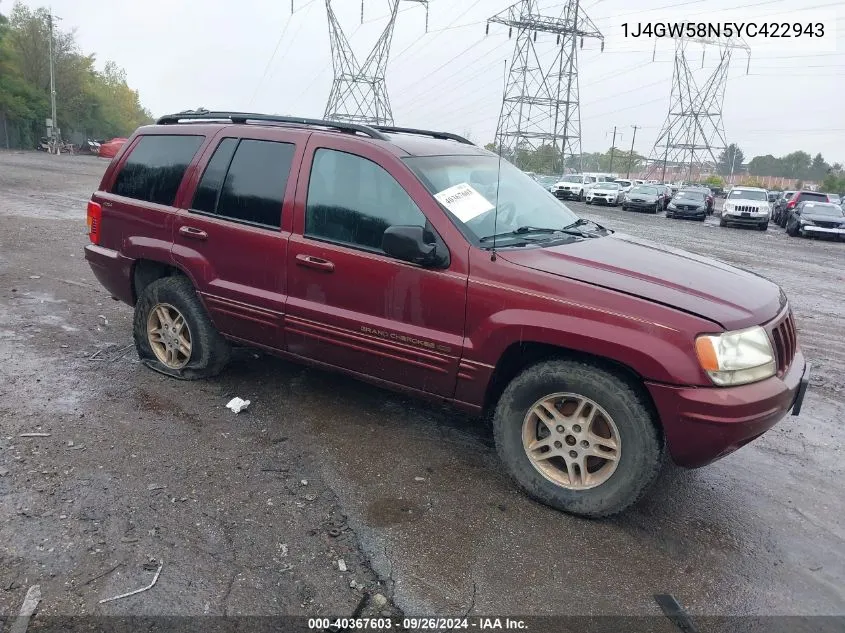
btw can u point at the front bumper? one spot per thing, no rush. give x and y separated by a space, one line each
112 270
699 212
639 205
601 200
703 424
566 194
823 231
736 217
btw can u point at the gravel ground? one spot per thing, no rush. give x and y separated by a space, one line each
250 513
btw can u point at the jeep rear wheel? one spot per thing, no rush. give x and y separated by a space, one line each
173 334
577 438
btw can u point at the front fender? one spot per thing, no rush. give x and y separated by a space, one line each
654 351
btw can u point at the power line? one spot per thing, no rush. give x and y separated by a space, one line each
271 58
436 34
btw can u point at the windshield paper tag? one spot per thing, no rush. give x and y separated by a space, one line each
464 201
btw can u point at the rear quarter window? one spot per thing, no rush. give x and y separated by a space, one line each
155 167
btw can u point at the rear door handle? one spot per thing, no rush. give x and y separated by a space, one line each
193 233
310 261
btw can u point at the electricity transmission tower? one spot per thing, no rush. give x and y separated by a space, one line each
693 135
540 105
359 91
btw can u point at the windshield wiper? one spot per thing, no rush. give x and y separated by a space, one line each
571 229
521 231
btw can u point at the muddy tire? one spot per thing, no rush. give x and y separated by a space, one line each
612 420
173 334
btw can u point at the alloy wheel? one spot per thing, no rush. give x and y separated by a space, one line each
169 336
571 440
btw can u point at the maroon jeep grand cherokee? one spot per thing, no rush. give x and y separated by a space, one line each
416 261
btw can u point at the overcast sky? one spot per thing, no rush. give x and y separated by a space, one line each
213 53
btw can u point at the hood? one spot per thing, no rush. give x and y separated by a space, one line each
642 196
728 296
818 217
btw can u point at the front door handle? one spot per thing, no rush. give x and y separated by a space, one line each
309 261
193 233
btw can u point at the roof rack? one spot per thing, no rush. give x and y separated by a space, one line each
243 117
408 130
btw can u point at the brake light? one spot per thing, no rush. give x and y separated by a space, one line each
95 218
791 204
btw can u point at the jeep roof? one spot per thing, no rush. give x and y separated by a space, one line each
407 141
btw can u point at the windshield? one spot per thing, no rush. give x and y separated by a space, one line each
522 201
547 180
570 179
745 194
624 183
690 195
646 191
607 185
833 210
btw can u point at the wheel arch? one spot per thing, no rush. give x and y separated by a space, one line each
146 271
523 354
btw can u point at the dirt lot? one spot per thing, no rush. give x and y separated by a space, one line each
250 513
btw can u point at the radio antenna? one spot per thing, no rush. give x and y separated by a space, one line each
499 168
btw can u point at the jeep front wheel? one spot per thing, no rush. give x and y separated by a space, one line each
577 438
173 334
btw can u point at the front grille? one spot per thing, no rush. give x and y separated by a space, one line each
746 208
828 225
785 339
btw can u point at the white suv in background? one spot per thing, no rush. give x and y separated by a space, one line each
747 205
573 186
625 184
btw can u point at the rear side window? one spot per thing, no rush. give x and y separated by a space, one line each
154 169
245 181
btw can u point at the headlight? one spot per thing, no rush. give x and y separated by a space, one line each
805 222
672 206
736 358
729 206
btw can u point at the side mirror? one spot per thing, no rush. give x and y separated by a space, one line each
407 242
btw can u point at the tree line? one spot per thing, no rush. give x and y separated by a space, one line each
797 165
91 103
546 159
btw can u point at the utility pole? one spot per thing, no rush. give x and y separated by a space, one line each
631 155
54 142
612 149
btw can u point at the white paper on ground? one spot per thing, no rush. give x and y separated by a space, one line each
464 201
237 404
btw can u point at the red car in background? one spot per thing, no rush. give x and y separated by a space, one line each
109 149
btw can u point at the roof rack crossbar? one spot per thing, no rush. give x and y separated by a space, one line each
243 117
408 130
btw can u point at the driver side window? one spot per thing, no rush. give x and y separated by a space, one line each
352 200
